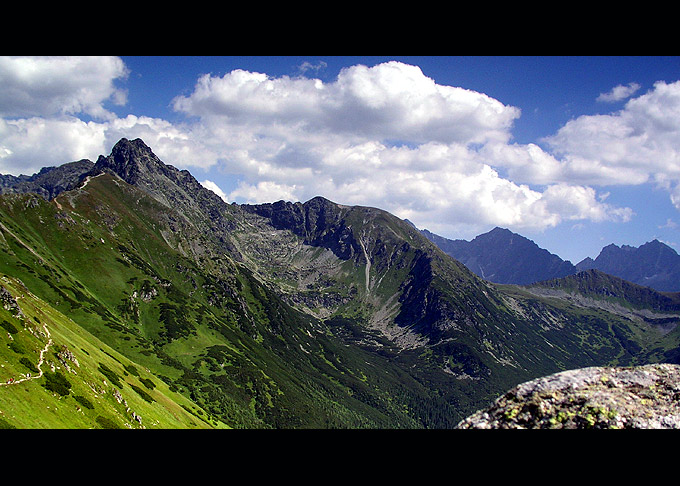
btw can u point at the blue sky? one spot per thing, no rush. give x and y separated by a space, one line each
572 152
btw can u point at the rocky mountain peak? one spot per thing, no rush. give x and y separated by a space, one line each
502 256
131 160
135 163
318 221
497 231
653 264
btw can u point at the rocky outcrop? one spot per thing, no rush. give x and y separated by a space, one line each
645 397
9 303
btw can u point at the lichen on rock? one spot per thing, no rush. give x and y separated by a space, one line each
643 397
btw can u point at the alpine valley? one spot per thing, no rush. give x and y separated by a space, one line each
133 297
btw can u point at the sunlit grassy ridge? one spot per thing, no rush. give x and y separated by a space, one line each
54 374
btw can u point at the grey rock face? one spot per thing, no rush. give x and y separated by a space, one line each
318 221
645 397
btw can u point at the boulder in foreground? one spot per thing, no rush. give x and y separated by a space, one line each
644 397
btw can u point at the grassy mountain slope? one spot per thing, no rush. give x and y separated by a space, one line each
99 255
648 319
604 287
55 374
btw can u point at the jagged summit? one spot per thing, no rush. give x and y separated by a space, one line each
502 256
500 231
135 163
653 264
131 160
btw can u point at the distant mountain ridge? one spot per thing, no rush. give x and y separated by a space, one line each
501 256
48 182
595 283
653 264
504 257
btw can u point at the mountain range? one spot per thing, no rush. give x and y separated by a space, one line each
502 256
134 297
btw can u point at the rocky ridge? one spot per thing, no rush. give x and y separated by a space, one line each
644 397
653 264
504 257
47 183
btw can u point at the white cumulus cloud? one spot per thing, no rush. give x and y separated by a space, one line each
390 100
638 144
47 86
28 144
385 136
